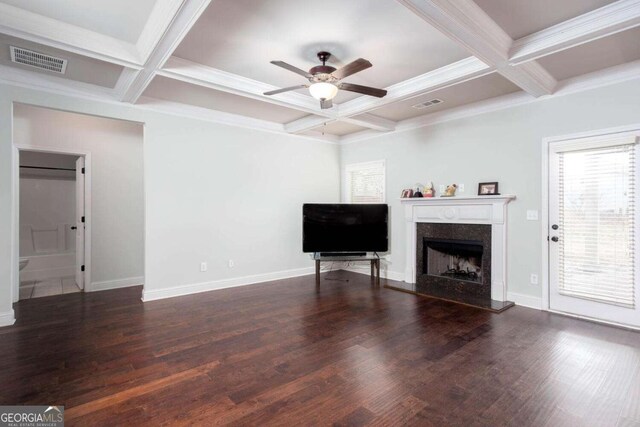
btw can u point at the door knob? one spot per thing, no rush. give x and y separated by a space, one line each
555 226
555 238
74 228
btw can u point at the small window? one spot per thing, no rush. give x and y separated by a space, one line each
365 182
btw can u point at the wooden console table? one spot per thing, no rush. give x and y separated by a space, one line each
374 258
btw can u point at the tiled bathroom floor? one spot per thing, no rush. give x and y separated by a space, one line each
48 287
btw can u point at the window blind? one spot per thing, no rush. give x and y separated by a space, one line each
597 224
366 182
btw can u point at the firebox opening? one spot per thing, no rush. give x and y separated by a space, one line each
453 259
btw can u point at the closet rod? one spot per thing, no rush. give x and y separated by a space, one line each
42 167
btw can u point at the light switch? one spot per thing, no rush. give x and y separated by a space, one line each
532 215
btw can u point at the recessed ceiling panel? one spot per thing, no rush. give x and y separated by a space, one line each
597 55
122 19
474 90
199 96
242 36
520 18
79 68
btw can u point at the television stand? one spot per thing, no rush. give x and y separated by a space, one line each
373 258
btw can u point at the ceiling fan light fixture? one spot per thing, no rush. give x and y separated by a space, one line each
323 91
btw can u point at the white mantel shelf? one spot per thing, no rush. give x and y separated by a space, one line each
490 210
457 200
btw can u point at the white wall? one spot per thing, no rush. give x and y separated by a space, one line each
213 192
117 191
502 146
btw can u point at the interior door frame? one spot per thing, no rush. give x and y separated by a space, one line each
544 223
15 247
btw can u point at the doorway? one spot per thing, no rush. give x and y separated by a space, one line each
592 228
52 222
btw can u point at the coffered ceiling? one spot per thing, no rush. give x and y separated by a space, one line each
210 59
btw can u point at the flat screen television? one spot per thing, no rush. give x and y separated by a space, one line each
344 228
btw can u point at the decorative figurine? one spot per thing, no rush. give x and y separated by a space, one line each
417 193
429 190
450 191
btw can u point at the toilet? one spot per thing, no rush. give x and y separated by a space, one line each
23 263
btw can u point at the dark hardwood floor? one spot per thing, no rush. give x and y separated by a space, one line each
281 353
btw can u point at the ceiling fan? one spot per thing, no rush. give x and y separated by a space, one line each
325 80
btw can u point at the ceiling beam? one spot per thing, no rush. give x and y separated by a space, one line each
40 29
373 122
306 123
178 28
610 19
442 77
191 72
466 23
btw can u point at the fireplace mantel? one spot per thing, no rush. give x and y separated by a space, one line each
462 210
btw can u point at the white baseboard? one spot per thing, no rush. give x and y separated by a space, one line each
525 300
47 273
114 284
7 318
156 294
384 273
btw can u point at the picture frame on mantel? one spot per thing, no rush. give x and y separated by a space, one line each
488 189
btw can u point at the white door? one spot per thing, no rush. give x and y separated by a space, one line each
80 221
593 220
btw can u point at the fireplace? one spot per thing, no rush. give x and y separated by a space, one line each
457 249
455 259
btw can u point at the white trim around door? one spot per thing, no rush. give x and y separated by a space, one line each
585 137
15 255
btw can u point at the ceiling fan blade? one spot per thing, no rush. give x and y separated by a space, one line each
326 103
285 89
351 68
366 90
292 68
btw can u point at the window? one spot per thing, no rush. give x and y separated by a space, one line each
365 182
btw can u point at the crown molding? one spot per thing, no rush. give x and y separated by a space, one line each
53 84
607 20
466 23
167 43
598 79
40 29
202 75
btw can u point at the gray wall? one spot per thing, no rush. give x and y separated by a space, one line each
213 193
502 146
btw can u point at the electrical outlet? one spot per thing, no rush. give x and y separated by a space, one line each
532 215
231 263
461 188
534 279
387 257
203 266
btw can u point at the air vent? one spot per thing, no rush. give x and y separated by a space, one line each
38 60
428 104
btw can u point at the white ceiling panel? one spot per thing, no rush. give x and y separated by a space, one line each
121 19
520 18
597 55
79 68
199 96
474 90
339 128
242 36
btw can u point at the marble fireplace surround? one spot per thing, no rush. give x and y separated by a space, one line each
490 210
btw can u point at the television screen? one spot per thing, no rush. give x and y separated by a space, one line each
344 228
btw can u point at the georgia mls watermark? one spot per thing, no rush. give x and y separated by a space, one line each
31 416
